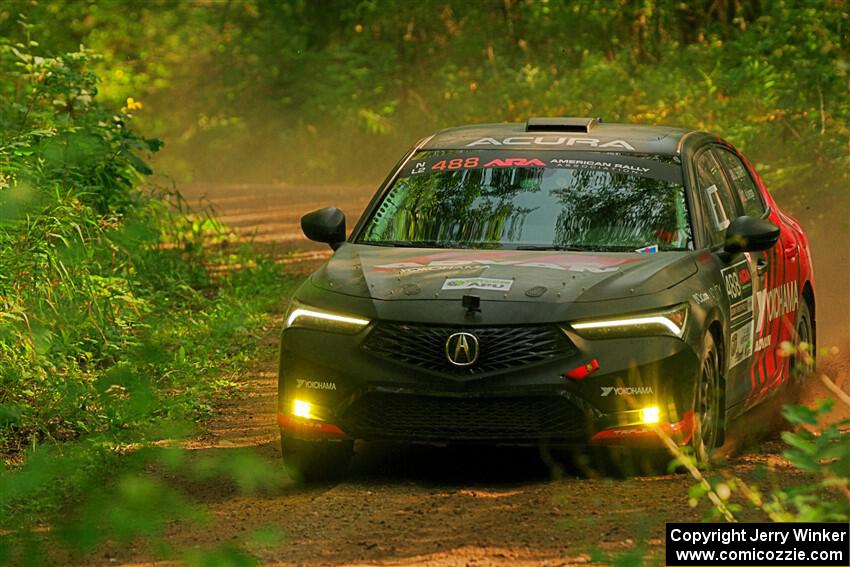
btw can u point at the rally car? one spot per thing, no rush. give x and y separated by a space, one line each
562 281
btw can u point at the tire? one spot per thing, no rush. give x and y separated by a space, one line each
708 412
315 461
803 359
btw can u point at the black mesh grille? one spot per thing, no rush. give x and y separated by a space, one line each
409 416
500 347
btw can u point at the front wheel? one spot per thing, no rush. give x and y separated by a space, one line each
803 360
707 403
315 461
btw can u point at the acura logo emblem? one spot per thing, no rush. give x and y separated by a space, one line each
462 349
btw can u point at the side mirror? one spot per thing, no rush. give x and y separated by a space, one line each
325 225
749 234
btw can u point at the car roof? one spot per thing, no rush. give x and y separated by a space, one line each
585 134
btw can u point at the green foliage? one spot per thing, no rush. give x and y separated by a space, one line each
74 239
145 493
816 445
97 278
821 448
114 334
335 90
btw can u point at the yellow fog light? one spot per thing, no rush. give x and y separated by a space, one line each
300 408
650 415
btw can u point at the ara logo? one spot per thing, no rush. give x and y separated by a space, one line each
551 141
313 385
626 391
517 162
776 302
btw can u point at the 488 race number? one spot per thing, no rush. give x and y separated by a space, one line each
456 163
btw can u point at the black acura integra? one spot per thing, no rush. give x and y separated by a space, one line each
563 281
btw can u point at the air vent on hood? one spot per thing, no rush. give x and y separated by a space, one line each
564 124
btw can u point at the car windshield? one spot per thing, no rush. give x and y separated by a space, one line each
533 200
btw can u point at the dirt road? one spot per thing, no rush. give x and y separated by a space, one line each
440 506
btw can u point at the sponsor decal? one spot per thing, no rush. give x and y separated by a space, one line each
701 297
737 169
423 269
651 249
712 293
487 284
515 162
762 343
409 267
505 157
628 431
776 302
551 141
587 163
741 309
315 385
626 391
739 288
473 162
741 344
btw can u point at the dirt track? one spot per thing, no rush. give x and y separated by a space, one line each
434 505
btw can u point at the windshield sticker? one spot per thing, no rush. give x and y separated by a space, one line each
736 169
515 162
551 141
487 284
651 249
741 344
593 164
721 220
474 162
448 161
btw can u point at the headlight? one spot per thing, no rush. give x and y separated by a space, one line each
302 316
669 322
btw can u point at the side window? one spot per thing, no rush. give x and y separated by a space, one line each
718 199
742 183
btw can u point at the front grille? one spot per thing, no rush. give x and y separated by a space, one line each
411 417
501 348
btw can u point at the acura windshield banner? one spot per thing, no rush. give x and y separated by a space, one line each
763 544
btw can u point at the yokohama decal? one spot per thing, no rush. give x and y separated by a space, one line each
776 302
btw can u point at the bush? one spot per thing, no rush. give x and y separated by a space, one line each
114 335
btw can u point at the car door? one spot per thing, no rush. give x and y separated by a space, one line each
775 295
738 272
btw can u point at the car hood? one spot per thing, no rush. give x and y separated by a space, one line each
390 273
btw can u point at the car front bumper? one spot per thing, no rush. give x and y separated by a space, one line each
596 392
